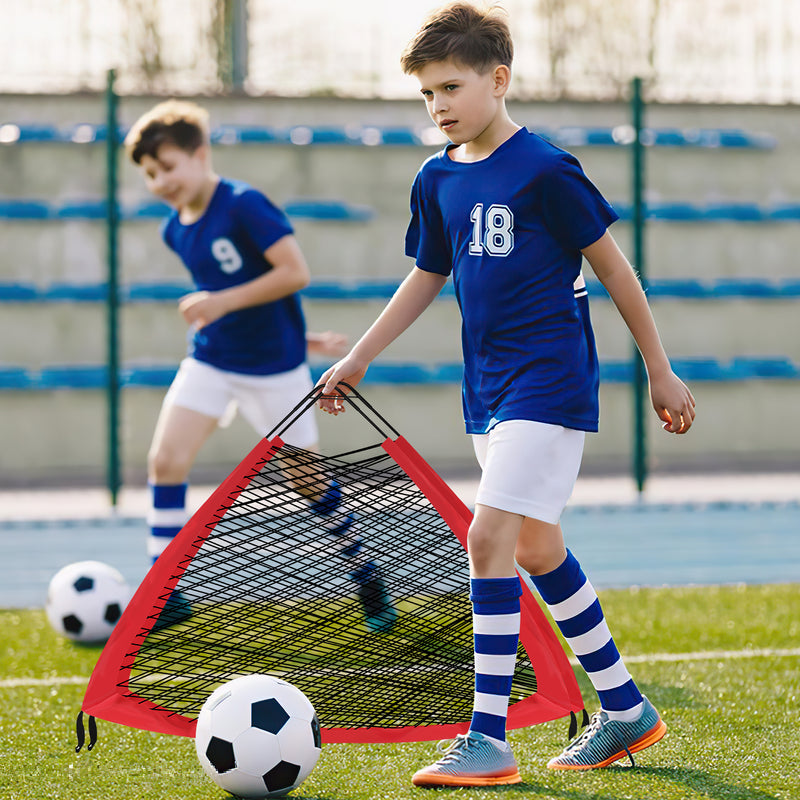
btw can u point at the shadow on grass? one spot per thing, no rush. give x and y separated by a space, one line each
701 782
710 785
295 796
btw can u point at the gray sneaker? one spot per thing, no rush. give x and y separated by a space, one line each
607 740
471 760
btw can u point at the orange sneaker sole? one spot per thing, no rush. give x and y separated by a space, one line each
454 780
655 734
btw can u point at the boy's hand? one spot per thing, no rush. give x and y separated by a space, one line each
673 402
328 343
202 308
350 370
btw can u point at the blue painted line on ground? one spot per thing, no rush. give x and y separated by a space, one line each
618 546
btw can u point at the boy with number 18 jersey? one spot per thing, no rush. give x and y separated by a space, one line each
511 217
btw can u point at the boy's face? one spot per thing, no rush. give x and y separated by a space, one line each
462 102
175 175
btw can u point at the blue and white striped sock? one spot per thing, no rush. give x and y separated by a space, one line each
495 621
166 517
573 603
340 527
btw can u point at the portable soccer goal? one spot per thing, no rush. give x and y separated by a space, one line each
364 607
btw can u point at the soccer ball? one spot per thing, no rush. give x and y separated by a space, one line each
258 736
85 600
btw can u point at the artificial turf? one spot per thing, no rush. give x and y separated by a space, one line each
731 709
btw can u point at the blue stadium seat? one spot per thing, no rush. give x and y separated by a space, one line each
36 132
256 135
147 209
25 209
15 378
84 133
325 135
616 371
75 293
784 211
82 209
154 292
734 212
668 137
672 211
678 288
749 367
149 377
399 136
738 287
327 210
73 377
700 369
18 293
350 290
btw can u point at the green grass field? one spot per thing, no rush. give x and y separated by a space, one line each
721 664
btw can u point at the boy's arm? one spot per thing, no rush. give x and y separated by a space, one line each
413 296
671 398
289 274
327 343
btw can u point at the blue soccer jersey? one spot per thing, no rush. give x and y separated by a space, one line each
510 229
225 248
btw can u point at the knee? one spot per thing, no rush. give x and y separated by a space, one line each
538 557
482 546
166 466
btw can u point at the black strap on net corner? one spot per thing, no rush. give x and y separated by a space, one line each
351 397
81 735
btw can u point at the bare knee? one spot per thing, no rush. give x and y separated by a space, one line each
167 466
540 547
479 545
490 543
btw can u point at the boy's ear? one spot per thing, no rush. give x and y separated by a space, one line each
204 153
502 79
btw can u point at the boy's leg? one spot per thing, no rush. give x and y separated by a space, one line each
482 757
263 402
196 399
627 721
180 433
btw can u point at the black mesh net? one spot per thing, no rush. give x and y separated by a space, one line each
365 608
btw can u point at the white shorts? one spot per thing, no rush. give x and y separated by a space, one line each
529 468
263 400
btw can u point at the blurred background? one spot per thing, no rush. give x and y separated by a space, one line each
701 158
716 51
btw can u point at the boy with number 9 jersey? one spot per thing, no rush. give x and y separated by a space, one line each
511 217
247 336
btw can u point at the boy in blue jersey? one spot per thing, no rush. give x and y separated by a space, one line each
248 336
511 217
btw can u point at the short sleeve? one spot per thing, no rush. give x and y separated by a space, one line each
167 228
425 239
575 212
262 222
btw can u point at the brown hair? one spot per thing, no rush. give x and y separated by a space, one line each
177 122
473 37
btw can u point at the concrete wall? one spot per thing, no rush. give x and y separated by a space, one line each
60 435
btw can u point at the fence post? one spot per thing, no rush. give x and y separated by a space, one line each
112 301
639 259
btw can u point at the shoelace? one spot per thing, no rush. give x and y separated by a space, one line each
587 733
594 725
453 750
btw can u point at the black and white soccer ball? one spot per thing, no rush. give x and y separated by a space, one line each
85 600
258 736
